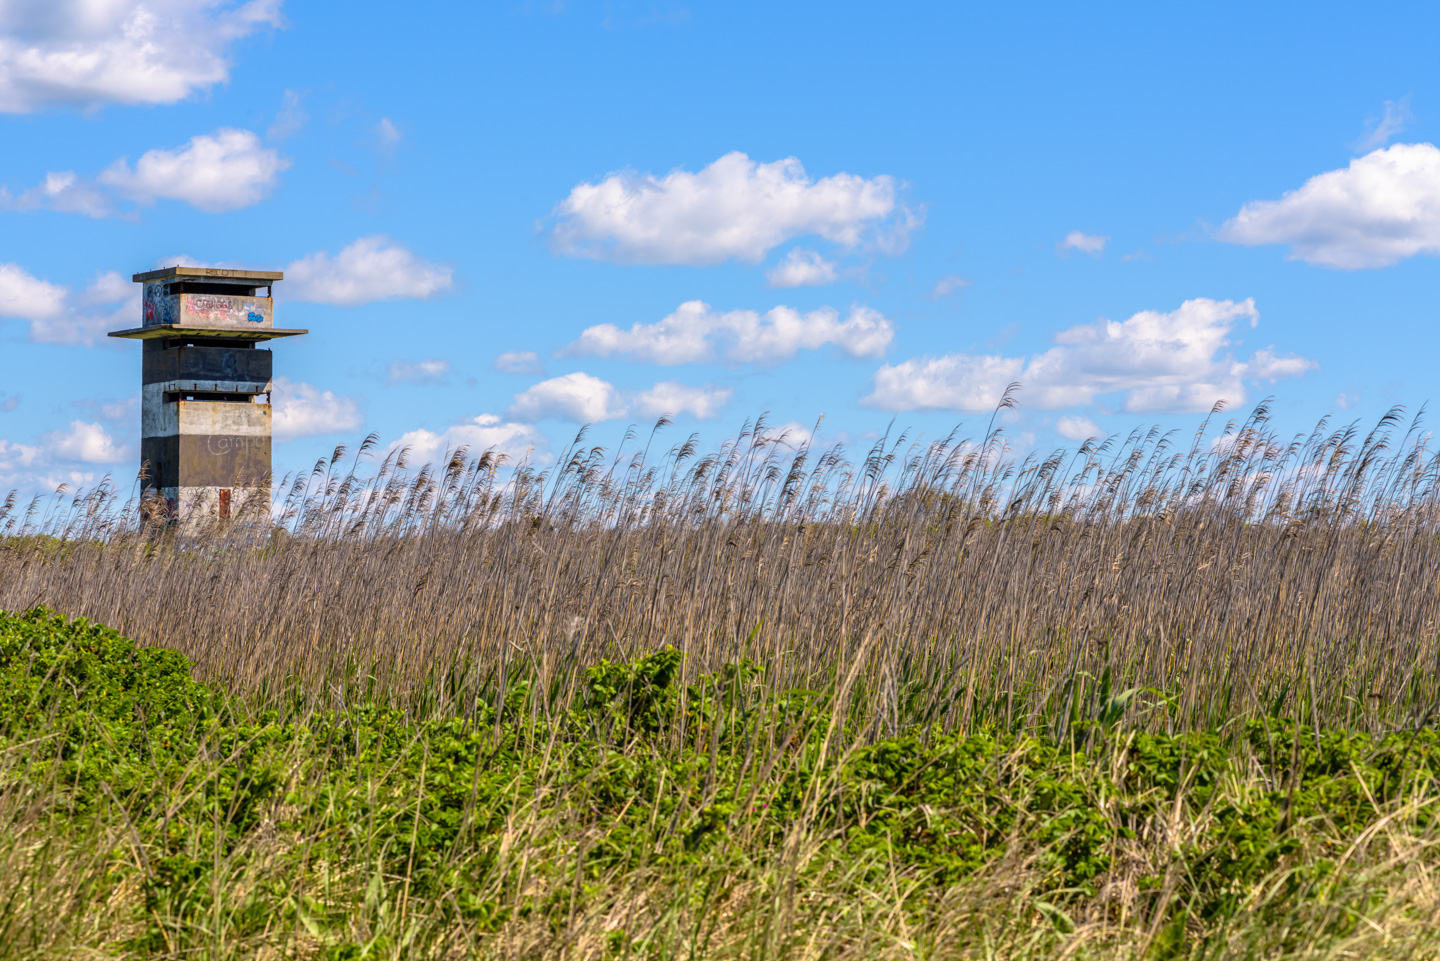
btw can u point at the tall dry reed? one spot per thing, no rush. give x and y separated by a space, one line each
1230 573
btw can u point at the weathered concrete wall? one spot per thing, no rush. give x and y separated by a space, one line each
158 418
200 417
162 417
223 444
225 310
232 370
206 310
216 444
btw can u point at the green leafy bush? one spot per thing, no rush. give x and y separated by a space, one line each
368 830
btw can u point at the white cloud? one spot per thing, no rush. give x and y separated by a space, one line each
301 410
51 480
1092 244
27 297
1265 365
86 53
577 397
1381 209
793 435
802 268
1072 427
89 443
67 193
370 269
16 456
108 288
1392 122
695 333
218 172
58 457
428 371
952 382
387 133
290 119
185 260
1173 361
585 399
519 362
127 410
484 433
58 315
1346 401
734 209
947 285
670 398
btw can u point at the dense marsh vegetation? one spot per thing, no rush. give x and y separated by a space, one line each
1147 698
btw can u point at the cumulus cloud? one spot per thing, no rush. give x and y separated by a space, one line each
28 297
1073 427
581 398
802 268
1381 209
577 397
734 209
185 260
1175 361
478 435
85 442
519 362
951 382
302 410
1092 244
16 456
387 133
216 173
793 434
1392 121
87 54
290 119
695 333
59 315
670 398
428 371
62 456
66 192
127 410
369 270
947 285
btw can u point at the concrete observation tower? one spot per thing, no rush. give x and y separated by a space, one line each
205 394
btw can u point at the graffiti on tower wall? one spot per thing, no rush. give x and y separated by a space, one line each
224 310
205 310
160 309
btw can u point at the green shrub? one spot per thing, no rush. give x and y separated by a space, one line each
237 824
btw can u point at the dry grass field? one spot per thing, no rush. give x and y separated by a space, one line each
1227 570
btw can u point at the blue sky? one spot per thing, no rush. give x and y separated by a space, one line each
502 221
